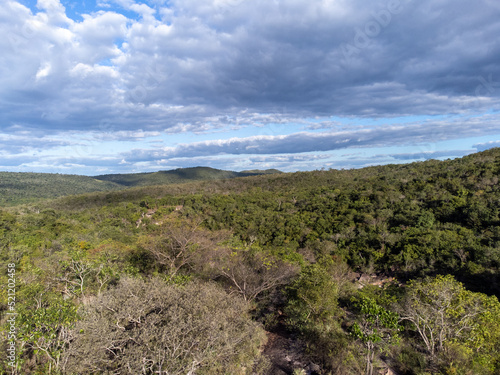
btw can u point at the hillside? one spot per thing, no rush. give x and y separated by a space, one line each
19 188
472 172
329 272
176 176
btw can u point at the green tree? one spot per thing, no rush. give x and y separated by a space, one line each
312 310
313 301
374 325
441 310
45 320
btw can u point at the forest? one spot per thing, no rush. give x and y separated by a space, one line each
28 187
382 270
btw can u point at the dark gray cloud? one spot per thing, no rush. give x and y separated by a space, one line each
189 66
390 58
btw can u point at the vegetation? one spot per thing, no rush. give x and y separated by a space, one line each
19 188
394 266
178 176
151 327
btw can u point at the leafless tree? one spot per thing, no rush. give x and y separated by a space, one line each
180 244
252 273
74 274
151 327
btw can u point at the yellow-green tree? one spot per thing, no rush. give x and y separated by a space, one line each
446 315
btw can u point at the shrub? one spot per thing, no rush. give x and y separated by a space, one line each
150 327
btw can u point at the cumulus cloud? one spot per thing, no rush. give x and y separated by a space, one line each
200 66
260 55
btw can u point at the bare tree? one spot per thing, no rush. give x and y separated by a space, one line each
252 273
151 327
74 274
181 243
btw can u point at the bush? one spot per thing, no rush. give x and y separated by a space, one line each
144 327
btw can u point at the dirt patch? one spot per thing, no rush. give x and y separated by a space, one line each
287 353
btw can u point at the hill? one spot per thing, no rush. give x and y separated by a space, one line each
176 176
20 188
339 267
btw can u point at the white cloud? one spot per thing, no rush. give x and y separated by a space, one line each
44 71
83 71
54 12
487 145
408 134
198 66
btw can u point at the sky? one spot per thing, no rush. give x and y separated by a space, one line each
123 86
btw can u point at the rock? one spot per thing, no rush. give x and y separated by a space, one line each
387 371
314 368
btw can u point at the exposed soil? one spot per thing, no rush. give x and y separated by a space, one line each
287 353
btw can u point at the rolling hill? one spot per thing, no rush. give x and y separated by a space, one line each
21 188
176 176
317 254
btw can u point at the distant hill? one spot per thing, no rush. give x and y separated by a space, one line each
451 172
21 188
262 171
177 176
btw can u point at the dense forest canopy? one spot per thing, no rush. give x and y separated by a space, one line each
391 266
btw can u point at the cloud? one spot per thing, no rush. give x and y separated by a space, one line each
189 66
429 155
487 145
19 142
304 142
426 58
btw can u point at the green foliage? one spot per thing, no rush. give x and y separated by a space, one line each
451 319
19 188
374 326
313 302
177 176
44 321
373 320
313 311
292 243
